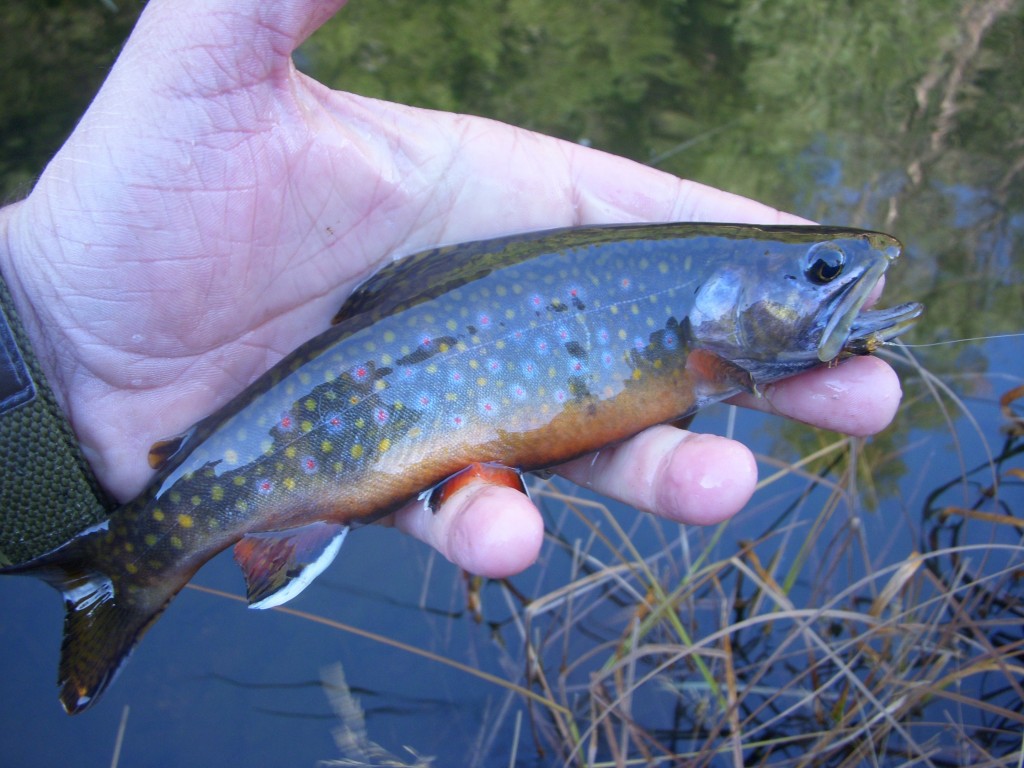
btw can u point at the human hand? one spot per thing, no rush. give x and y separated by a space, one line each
214 207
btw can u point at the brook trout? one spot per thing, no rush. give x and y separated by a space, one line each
522 352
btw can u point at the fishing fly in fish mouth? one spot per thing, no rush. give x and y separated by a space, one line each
500 356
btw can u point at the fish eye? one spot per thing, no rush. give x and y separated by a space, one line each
825 263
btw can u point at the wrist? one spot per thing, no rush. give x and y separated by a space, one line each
48 492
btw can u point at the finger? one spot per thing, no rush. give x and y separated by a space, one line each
858 397
488 530
611 189
683 476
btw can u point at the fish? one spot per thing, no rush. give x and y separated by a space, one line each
481 359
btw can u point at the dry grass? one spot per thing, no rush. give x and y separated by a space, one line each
813 642
847 625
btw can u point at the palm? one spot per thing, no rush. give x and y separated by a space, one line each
214 208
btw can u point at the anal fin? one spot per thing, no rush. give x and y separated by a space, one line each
278 565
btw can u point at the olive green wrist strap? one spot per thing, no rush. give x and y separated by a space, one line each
47 491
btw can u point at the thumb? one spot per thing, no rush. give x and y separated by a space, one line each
202 47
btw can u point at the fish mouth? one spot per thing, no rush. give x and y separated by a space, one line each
850 330
872 328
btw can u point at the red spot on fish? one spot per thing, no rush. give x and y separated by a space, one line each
625 283
285 423
264 487
426 341
560 396
484 321
360 373
381 415
310 465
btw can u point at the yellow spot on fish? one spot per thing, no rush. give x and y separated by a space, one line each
310 404
305 378
380 384
369 346
196 501
158 515
481 382
384 445
634 309
240 506
129 547
663 267
329 375
289 483
175 497
389 337
267 447
290 452
432 368
386 359
356 451
622 335
231 456
176 542
238 480
451 325
131 567
462 346
636 374
185 521
499 344
306 426
217 493
150 539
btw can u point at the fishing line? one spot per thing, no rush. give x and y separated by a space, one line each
954 341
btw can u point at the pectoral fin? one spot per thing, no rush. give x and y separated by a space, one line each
278 565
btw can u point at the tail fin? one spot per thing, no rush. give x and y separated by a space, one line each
107 614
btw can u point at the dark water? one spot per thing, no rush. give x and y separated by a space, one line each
903 117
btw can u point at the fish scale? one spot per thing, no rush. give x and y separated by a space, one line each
522 352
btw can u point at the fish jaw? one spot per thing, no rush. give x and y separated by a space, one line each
838 327
873 328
